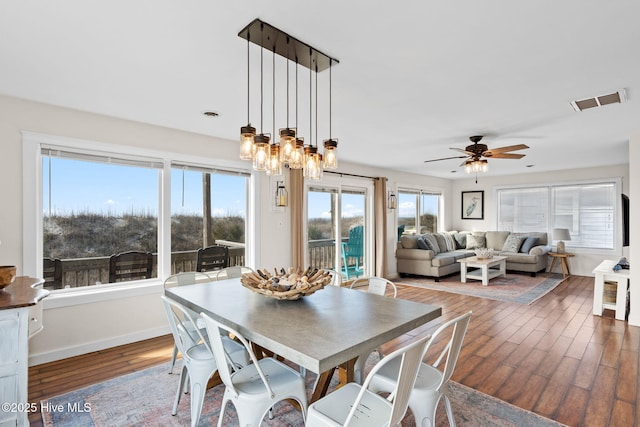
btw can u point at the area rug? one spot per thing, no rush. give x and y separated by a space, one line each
515 287
145 398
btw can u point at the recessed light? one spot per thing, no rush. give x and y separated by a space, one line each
211 114
530 166
454 171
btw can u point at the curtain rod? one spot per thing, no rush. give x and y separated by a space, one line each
354 175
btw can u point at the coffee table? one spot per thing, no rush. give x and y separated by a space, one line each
484 268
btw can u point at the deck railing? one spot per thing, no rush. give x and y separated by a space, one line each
79 272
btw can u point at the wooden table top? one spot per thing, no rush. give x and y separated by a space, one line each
319 331
21 293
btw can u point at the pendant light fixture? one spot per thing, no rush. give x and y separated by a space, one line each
248 132
290 149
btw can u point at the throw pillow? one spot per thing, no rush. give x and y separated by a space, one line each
409 242
528 243
449 241
422 244
512 244
461 240
432 242
442 244
475 242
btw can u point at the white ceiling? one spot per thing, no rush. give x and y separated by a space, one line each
415 77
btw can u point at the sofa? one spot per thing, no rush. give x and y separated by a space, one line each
436 254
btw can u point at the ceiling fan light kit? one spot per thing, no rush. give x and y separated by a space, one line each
474 162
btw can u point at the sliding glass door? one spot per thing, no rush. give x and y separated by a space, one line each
338 229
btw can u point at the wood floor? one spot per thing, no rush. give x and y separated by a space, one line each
552 357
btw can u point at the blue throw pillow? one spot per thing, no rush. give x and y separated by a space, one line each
529 243
421 243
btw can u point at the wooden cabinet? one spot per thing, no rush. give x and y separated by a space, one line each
19 302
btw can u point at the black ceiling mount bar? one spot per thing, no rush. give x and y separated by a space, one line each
285 45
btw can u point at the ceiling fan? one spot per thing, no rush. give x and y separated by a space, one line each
475 151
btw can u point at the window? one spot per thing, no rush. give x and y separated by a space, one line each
418 211
588 210
85 201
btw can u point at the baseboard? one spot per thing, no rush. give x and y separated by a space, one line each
64 353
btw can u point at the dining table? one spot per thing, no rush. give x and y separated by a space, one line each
320 332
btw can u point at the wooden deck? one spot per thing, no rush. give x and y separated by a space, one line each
552 357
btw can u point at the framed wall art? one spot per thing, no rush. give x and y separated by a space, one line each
472 205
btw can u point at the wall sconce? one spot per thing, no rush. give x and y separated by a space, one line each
392 200
281 195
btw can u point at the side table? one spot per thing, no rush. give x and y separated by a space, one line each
564 261
604 274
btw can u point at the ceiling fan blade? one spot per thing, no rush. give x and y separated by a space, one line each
462 151
490 153
507 156
445 158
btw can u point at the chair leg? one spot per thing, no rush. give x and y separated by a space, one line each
424 408
223 408
447 405
173 358
183 375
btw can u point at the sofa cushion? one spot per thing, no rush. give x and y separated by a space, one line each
409 242
512 244
475 241
432 242
520 258
461 240
542 237
539 250
414 254
443 259
528 243
442 243
496 239
422 244
449 241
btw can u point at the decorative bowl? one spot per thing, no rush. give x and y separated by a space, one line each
7 274
291 285
484 253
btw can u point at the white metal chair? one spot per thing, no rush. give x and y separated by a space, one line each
336 278
377 286
183 279
355 405
231 272
431 383
198 363
254 389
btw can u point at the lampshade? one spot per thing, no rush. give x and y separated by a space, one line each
561 234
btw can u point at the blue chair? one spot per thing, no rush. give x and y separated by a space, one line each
354 248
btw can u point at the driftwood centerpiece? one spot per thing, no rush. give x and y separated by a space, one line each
290 285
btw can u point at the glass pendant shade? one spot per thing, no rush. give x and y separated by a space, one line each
261 152
475 166
274 166
246 142
312 163
330 157
296 158
287 144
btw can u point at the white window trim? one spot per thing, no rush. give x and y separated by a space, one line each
32 144
428 190
617 238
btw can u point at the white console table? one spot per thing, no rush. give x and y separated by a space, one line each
20 318
604 273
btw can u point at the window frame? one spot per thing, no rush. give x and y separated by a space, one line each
549 186
419 192
32 145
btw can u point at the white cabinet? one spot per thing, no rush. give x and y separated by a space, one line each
14 353
610 289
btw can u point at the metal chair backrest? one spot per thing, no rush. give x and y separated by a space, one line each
186 333
133 265
377 285
231 272
212 258
186 278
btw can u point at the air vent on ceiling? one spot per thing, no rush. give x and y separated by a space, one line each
599 101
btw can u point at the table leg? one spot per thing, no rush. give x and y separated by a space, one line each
463 272
553 264
322 385
485 275
566 261
503 268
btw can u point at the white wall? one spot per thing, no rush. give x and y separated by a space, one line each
585 261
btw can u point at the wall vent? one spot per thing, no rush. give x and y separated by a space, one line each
611 98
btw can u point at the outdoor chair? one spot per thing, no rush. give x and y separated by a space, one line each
353 249
198 362
52 272
357 405
255 388
182 279
212 258
376 286
431 383
133 265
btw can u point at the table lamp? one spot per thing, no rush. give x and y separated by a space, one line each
561 234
